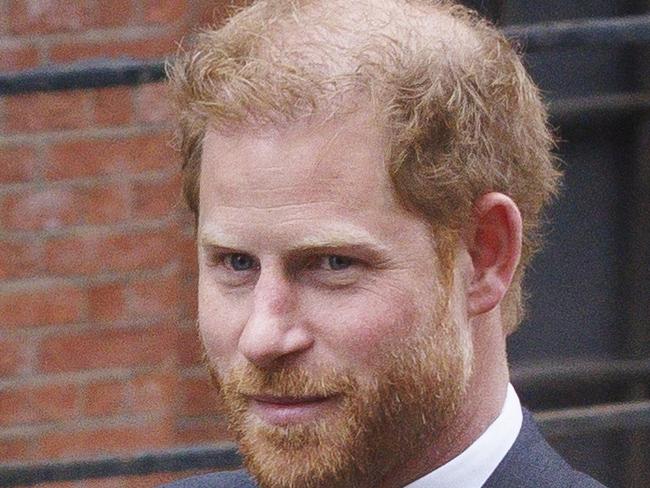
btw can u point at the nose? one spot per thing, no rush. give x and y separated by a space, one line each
274 330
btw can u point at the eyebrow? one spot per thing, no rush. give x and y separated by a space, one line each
331 236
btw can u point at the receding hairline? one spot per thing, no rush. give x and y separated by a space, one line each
335 40
462 117
346 23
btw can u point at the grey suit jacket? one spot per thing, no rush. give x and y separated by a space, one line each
530 463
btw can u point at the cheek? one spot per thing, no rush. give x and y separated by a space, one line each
362 328
221 319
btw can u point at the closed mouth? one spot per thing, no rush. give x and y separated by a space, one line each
289 400
284 410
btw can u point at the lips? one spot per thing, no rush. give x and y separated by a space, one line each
283 400
286 410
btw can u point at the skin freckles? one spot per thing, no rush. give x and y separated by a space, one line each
354 343
317 287
289 199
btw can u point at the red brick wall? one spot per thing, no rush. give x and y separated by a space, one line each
98 352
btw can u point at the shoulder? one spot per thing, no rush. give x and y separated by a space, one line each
227 479
532 462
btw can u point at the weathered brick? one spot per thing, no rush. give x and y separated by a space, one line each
67 52
102 349
49 403
13 357
90 29
198 397
146 481
115 13
45 111
48 208
189 296
215 13
199 431
92 253
18 58
187 251
4 18
107 440
19 259
190 351
153 103
14 449
153 392
105 204
104 399
17 163
55 304
153 152
107 302
164 11
113 106
155 199
156 479
38 17
154 297
61 484
93 157
115 482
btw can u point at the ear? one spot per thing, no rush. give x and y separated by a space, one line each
494 244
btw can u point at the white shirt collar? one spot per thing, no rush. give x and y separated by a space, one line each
472 467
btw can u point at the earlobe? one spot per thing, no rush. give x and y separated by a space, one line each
494 245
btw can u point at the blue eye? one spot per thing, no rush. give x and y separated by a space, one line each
338 263
240 262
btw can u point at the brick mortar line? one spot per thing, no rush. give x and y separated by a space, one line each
95 34
192 372
40 282
27 239
40 150
80 424
176 214
31 359
38 334
88 329
79 378
44 282
39 183
187 324
194 420
138 11
35 337
136 225
3 112
4 14
140 129
42 53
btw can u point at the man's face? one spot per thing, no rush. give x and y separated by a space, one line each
337 346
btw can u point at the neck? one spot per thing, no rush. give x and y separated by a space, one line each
484 399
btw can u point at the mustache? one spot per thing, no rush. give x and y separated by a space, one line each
250 380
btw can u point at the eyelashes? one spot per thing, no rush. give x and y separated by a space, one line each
333 262
242 262
239 262
241 269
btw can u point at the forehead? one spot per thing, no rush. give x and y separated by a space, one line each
311 184
324 162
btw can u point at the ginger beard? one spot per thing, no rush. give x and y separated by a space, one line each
378 425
